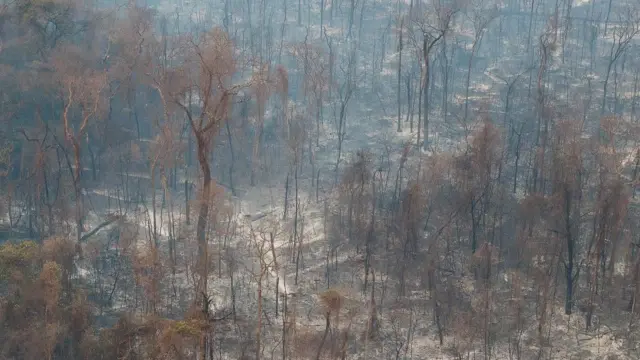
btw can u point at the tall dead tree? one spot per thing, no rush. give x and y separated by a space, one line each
547 47
205 73
82 87
434 25
400 43
622 35
480 18
345 92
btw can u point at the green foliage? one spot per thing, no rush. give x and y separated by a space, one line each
186 328
17 256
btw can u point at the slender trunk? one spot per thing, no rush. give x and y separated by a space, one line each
445 81
517 161
568 304
48 202
410 102
352 11
226 20
425 104
541 134
567 27
233 159
186 198
284 329
606 21
78 188
474 227
421 88
468 83
201 228
259 326
255 155
399 129
277 269
92 157
361 22
636 169
286 197
530 25
634 96
154 224
318 118
604 88
297 235
341 134
324 336
436 306
321 16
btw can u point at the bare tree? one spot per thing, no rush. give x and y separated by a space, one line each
400 44
82 87
481 17
622 34
206 72
569 176
433 25
345 93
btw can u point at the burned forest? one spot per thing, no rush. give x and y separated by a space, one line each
319 179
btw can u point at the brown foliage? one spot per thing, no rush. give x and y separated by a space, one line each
567 156
332 300
50 278
80 82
